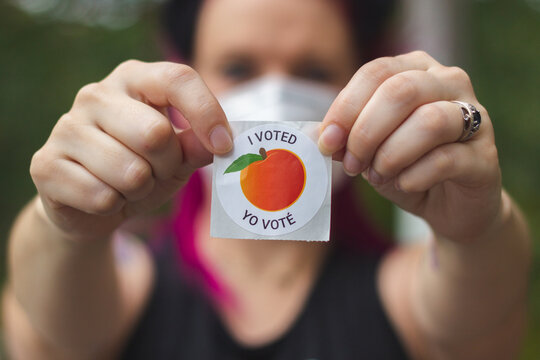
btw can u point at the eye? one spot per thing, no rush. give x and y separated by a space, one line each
315 73
238 70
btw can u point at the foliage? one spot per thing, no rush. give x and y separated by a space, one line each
505 69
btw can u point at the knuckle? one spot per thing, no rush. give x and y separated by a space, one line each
401 89
207 111
45 166
67 118
89 94
360 138
66 126
346 105
461 78
137 175
38 165
459 74
107 201
378 70
178 74
128 65
420 54
157 136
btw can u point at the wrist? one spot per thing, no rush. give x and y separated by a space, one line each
501 219
67 237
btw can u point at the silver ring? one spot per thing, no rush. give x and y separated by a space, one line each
471 120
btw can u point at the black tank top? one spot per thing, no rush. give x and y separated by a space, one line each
342 319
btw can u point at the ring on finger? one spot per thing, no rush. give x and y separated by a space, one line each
471 120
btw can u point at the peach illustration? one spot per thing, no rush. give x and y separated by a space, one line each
272 180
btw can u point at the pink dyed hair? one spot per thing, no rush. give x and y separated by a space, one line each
183 226
351 229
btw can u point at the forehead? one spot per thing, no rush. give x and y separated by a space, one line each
285 26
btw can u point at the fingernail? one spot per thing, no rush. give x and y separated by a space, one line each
331 139
375 178
351 165
220 139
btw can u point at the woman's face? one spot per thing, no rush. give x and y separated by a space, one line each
239 40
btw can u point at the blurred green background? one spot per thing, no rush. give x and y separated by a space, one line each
43 63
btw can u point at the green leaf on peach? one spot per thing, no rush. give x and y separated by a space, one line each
243 162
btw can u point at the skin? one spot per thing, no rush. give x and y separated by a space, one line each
115 155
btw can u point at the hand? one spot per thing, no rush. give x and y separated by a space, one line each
395 124
115 154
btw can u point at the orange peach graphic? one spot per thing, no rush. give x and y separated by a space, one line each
272 180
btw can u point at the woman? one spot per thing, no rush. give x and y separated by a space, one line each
114 155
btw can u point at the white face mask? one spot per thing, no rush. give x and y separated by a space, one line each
275 98
278 98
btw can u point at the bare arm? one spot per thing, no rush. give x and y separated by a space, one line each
114 155
462 301
69 300
398 125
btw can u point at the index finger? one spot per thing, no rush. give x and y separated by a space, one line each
177 85
347 106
